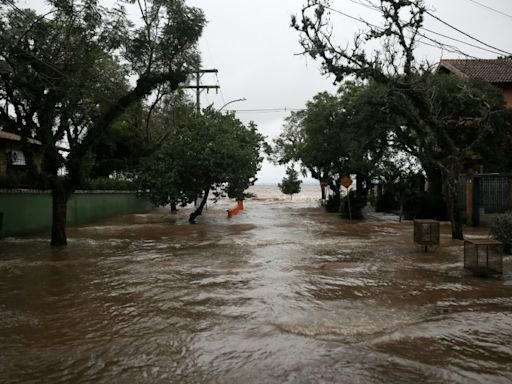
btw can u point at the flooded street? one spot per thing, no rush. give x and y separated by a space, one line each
281 293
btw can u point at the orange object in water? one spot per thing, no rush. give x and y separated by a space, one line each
234 211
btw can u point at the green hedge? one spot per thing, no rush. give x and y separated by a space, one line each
501 230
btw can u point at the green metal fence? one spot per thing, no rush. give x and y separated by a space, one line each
28 211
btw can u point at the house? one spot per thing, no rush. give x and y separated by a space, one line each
484 194
495 71
12 158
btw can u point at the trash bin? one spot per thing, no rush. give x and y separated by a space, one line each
426 233
483 256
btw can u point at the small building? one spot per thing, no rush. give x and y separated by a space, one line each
12 157
495 71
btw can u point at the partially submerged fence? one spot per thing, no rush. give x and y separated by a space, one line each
485 193
30 211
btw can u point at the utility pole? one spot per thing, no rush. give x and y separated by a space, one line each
198 87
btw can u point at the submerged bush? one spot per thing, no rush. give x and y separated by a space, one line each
357 203
501 230
333 203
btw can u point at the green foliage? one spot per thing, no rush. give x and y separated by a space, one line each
106 184
290 184
387 202
424 205
16 181
357 203
210 151
64 77
333 203
340 134
501 230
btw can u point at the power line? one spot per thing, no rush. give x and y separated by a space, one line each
438 44
377 9
267 110
490 8
465 34
461 41
19 10
452 49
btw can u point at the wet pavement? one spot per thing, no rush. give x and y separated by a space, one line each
281 293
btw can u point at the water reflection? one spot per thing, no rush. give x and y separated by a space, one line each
281 293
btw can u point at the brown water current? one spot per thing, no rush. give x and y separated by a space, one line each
281 293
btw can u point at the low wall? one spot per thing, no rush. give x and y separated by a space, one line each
29 211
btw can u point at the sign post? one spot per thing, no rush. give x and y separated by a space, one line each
347 182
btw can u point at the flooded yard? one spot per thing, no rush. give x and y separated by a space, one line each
281 293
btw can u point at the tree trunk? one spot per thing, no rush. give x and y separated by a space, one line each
439 205
359 185
401 208
59 211
174 209
199 210
455 219
451 196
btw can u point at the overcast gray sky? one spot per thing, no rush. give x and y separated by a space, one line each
252 45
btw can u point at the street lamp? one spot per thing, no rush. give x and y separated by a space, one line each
232 101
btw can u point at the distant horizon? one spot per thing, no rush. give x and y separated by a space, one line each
275 182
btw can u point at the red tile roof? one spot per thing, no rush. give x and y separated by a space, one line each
493 71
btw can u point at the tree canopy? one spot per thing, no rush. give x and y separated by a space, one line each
337 135
209 152
64 78
443 121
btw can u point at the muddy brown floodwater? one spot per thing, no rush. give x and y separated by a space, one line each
281 293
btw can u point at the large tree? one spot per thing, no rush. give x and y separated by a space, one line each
138 133
211 152
64 78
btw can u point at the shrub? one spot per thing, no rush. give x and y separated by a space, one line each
357 203
103 184
501 230
20 180
333 203
386 203
424 206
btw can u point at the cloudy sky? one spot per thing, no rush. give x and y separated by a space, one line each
251 44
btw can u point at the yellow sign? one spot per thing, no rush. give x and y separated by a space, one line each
346 181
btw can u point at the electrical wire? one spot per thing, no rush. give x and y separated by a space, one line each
377 9
446 47
490 8
466 34
266 110
17 9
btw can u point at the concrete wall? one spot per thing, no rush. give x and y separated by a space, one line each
28 211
